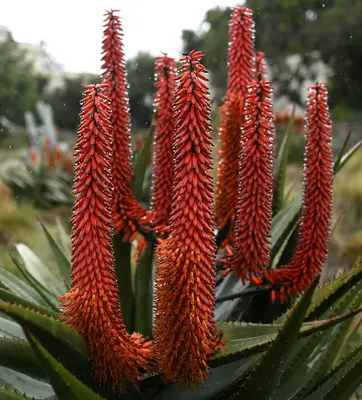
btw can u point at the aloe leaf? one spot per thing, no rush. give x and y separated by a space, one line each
219 382
32 388
341 152
18 356
64 343
10 329
283 223
230 285
64 239
122 255
314 357
11 298
326 296
6 394
141 164
65 385
40 271
48 297
264 379
281 167
337 375
345 158
15 285
63 262
144 293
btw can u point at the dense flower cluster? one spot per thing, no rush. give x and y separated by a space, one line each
251 247
126 210
185 336
314 231
162 153
241 71
92 306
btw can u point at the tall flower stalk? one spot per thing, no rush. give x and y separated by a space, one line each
162 174
251 247
241 71
127 212
314 232
185 336
92 306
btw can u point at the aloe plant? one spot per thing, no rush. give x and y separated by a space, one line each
44 174
205 341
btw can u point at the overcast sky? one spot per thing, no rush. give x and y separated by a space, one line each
72 29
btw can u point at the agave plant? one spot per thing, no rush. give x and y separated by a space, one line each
44 175
226 316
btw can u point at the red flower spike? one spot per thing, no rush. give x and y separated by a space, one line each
251 247
126 210
92 305
241 71
314 232
185 335
260 68
162 175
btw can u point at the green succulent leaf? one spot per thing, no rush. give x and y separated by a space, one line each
314 357
281 167
11 298
345 157
144 293
141 164
65 385
15 285
265 377
44 275
6 394
326 296
48 297
64 343
63 261
64 239
18 356
336 380
10 329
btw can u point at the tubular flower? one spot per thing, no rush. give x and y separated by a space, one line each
314 232
126 210
185 335
162 153
251 247
92 305
241 71
260 69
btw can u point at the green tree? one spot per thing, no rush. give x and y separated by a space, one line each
316 30
140 75
19 85
65 100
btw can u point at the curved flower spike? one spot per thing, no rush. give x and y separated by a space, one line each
127 212
251 247
241 71
162 175
92 306
315 227
185 336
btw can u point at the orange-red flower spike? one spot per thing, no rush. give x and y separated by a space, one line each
251 247
126 210
314 232
185 335
92 306
162 175
241 71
